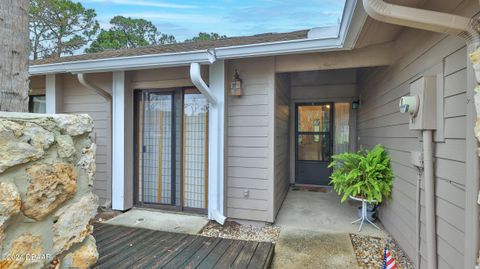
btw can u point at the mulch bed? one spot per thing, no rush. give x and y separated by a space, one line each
369 251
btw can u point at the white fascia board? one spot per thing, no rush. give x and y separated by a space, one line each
281 47
353 19
124 63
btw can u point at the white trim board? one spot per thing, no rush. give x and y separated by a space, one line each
118 141
53 94
216 138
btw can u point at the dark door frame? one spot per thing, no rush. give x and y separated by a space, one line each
297 133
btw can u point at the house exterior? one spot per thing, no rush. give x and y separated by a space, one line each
170 134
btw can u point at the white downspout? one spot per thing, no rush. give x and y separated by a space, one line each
428 174
196 77
82 78
87 84
441 23
216 123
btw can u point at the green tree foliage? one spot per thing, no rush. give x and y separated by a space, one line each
206 36
60 27
365 174
129 33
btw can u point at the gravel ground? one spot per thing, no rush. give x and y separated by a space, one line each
106 214
234 230
369 251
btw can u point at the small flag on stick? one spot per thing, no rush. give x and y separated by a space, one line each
388 260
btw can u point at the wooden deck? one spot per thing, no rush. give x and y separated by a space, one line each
124 247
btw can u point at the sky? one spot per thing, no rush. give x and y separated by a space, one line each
186 18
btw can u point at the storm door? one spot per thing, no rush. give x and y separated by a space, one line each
313 143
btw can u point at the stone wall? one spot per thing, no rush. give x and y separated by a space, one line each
47 168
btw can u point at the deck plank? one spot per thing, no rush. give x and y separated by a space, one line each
215 255
262 256
171 253
105 231
125 247
107 252
158 246
230 255
195 260
245 256
188 253
134 248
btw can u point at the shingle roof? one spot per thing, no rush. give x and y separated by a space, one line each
179 47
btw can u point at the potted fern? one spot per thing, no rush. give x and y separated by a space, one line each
364 174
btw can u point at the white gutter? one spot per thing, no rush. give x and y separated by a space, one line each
417 18
123 63
196 77
83 80
436 22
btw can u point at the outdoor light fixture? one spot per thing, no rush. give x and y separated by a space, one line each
355 104
236 85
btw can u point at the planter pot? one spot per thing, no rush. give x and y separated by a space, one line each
371 212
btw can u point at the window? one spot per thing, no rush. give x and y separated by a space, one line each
37 104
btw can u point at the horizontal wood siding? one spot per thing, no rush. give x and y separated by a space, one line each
250 141
282 148
78 99
379 122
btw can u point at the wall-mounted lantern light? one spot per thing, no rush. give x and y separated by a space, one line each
356 104
236 85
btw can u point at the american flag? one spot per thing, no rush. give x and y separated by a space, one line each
388 260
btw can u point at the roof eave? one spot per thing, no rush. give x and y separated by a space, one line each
123 63
351 24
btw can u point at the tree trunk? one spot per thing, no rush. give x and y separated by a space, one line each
14 50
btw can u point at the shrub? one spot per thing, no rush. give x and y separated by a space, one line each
366 174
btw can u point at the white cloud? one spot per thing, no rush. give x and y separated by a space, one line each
142 3
194 18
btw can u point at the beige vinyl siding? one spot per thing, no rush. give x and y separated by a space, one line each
249 142
78 99
379 122
281 178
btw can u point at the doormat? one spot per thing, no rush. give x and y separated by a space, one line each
311 188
